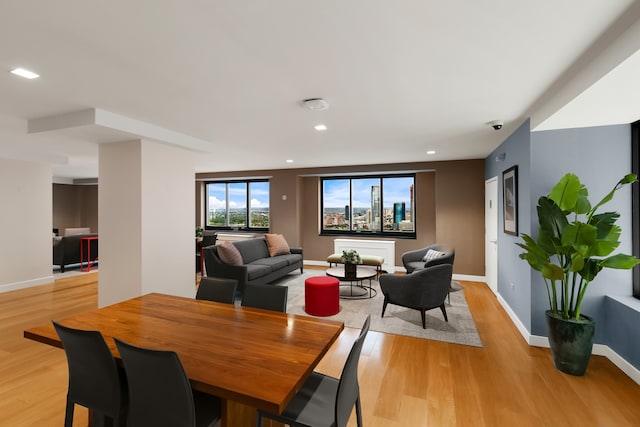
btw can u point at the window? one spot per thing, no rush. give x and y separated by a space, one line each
237 205
382 205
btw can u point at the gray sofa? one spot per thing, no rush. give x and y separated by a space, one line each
258 266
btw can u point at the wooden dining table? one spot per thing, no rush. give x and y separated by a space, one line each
248 357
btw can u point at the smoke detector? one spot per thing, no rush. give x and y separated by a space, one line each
315 104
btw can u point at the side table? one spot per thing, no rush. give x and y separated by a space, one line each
90 261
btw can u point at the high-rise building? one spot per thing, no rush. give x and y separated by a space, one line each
346 212
399 213
411 205
375 207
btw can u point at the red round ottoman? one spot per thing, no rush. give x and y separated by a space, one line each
322 296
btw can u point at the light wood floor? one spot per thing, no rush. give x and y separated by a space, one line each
403 381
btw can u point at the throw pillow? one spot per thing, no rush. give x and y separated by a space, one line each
277 244
229 254
431 254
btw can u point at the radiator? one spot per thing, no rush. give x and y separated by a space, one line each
383 248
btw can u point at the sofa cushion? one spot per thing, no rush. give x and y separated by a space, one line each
229 254
76 231
252 249
255 271
274 263
291 258
277 244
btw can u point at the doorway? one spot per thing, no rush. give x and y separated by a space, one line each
491 233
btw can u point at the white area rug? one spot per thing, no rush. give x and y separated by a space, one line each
460 329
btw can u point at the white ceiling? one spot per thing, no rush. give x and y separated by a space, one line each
227 77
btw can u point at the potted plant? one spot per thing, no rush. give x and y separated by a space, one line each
573 245
350 258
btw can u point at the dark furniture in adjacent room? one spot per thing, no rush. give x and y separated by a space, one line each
66 250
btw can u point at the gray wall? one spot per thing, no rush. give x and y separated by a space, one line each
512 270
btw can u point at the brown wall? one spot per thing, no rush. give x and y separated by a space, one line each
75 206
449 201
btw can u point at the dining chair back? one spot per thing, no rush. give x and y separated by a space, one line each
217 289
323 400
268 297
94 379
159 390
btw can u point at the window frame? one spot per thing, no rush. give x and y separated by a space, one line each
227 227
635 204
379 233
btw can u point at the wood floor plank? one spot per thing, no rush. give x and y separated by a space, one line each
404 381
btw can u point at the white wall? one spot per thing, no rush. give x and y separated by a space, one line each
168 209
26 215
146 208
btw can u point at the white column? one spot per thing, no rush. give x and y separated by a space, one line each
146 208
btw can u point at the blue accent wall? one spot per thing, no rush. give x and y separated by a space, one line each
600 156
511 270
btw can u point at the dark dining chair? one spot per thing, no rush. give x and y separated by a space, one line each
160 393
217 289
421 290
94 379
268 297
323 400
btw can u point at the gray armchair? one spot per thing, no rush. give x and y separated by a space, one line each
413 260
421 290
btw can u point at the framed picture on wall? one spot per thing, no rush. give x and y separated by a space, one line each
510 200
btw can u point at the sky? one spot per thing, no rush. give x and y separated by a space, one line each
396 189
238 195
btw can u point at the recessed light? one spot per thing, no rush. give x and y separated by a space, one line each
431 152
289 161
320 127
25 73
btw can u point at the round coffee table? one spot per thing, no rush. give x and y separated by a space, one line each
359 290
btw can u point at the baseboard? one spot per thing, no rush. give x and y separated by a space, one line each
468 278
598 349
25 284
516 321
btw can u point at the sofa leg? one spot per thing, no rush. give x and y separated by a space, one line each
424 324
301 270
62 268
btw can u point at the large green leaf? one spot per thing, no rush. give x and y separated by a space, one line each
567 192
627 179
590 270
620 261
551 218
605 223
579 234
552 272
534 255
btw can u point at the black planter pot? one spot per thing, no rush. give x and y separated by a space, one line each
571 342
